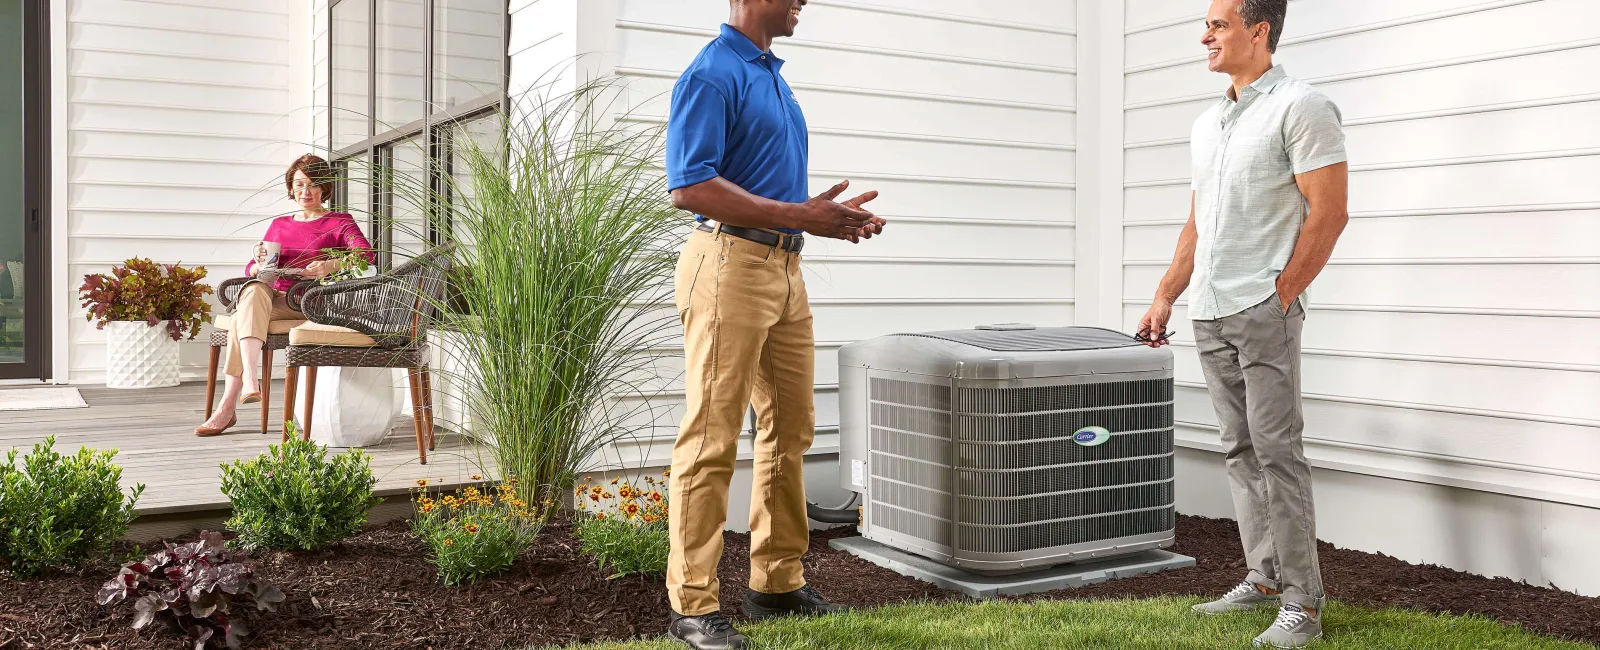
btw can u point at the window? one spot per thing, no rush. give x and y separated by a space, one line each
408 76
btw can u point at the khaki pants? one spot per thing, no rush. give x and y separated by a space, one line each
747 338
1252 367
258 305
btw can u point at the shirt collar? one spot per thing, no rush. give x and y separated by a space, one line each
744 47
1264 85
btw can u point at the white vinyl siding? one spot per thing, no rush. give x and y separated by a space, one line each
179 118
1450 339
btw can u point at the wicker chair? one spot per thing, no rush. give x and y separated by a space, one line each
277 339
378 322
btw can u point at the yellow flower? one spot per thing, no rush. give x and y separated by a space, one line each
586 479
449 542
655 497
608 495
477 477
594 497
614 481
631 510
600 515
471 528
422 482
667 472
597 489
426 508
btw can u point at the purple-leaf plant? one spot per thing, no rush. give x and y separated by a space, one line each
200 585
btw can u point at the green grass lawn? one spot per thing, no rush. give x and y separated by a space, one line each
1155 624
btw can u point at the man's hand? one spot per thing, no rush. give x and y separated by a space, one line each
874 225
1155 322
824 217
1286 294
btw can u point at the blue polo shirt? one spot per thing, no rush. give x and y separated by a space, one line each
734 116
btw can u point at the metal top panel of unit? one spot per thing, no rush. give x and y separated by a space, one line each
1008 352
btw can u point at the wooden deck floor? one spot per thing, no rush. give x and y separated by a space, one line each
153 431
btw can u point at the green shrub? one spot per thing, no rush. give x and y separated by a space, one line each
625 531
295 497
474 534
59 511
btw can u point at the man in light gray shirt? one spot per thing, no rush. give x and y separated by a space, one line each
1268 205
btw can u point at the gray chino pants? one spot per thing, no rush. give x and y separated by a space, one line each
1252 367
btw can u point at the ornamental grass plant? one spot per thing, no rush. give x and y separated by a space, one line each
559 300
473 534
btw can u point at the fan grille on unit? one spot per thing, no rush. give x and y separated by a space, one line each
1005 461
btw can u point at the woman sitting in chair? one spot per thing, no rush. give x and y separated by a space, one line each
302 236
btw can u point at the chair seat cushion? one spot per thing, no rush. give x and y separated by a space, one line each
309 333
225 322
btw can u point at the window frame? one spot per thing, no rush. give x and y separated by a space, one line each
434 129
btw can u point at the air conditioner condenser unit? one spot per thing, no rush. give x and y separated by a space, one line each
1009 448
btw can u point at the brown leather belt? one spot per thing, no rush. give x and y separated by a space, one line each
787 242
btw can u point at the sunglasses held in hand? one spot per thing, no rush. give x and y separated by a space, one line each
1144 336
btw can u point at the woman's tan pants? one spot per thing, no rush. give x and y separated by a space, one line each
258 305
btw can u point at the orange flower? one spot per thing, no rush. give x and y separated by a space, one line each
655 497
667 472
650 519
471 528
586 479
614 481
422 482
600 515
594 497
608 495
631 509
477 477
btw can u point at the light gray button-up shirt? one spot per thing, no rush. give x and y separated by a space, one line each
1247 208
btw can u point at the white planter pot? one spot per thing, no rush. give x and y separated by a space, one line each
140 356
353 406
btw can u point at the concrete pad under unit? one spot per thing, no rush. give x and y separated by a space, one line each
1064 576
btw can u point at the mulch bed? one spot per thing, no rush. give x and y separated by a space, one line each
377 591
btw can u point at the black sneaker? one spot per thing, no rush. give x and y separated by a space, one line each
708 632
804 601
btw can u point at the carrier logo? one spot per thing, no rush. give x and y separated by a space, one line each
1091 436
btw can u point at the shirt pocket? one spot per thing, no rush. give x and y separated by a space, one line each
1258 157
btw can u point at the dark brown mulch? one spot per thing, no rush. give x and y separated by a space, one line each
1368 579
376 591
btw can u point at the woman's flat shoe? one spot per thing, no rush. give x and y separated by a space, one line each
250 398
204 431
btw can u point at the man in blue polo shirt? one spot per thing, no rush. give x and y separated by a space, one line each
736 158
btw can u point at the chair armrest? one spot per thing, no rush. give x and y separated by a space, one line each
228 291
295 296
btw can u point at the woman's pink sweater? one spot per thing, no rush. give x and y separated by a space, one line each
302 242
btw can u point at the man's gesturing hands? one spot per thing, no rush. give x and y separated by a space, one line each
824 217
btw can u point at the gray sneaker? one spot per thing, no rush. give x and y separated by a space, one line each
1295 628
1240 598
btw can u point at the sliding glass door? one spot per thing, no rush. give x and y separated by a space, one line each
23 82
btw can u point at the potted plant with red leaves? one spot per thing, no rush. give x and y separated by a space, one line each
130 303
198 588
